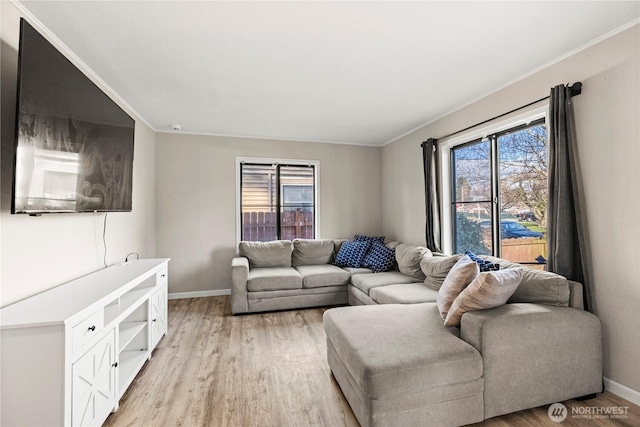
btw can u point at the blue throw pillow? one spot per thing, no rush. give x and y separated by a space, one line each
352 254
359 238
483 263
379 258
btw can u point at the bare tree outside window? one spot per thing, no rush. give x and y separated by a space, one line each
523 172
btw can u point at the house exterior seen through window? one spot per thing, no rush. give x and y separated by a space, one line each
500 195
277 202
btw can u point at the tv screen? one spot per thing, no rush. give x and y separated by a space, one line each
74 145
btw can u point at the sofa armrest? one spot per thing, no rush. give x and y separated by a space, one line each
535 354
239 278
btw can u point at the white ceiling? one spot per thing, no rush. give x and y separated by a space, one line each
348 72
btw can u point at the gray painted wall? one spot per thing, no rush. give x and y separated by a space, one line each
196 205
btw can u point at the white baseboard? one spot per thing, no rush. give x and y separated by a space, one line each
622 390
200 294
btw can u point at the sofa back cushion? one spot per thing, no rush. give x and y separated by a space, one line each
540 287
436 268
408 258
337 244
267 254
312 252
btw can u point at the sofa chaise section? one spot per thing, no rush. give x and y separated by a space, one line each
399 365
539 348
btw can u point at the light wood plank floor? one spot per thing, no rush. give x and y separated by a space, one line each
270 369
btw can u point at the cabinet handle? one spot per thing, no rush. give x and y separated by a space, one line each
154 320
162 275
115 365
92 328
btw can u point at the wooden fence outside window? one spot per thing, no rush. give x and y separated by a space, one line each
262 226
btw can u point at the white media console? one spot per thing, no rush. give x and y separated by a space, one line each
69 354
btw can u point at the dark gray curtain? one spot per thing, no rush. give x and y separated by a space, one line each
432 209
567 246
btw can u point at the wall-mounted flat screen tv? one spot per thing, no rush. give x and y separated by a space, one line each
74 145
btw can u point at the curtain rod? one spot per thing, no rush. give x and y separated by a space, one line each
576 89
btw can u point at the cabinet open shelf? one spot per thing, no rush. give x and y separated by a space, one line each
128 331
126 304
130 363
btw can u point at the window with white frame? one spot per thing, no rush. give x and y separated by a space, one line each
277 200
499 194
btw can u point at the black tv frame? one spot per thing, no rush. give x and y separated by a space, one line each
99 133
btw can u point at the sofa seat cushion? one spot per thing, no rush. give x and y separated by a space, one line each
275 278
366 282
316 276
410 293
394 349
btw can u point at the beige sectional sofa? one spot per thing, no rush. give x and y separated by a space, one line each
393 357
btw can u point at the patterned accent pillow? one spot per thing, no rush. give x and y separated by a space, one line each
459 277
489 290
379 258
483 263
359 238
352 254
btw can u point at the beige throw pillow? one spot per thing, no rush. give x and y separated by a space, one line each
408 258
459 277
436 268
392 245
489 290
